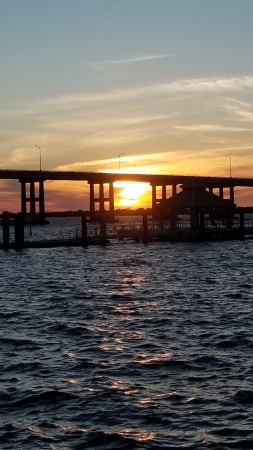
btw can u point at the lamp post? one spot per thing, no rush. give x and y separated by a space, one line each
40 154
119 158
230 165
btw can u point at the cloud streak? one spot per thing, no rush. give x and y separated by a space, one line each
70 102
207 85
242 111
131 60
210 128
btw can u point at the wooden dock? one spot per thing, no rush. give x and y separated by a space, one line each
52 243
138 230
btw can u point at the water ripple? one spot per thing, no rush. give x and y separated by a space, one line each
129 347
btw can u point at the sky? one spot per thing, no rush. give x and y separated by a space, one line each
140 86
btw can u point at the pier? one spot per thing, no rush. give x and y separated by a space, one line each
143 230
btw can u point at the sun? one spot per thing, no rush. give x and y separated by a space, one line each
131 194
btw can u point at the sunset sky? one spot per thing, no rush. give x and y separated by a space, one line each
166 84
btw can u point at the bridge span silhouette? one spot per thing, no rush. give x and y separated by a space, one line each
101 187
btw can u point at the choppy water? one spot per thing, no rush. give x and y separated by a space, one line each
129 346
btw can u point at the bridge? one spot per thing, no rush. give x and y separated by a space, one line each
102 187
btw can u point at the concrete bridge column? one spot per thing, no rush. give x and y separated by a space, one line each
232 194
106 199
111 201
164 194
23 197
41 201
174 189
153 196
32 200
101 199
156 200
92 201
221 191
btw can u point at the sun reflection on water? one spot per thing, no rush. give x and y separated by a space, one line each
124 387
71 355
145 358
73 381
140 436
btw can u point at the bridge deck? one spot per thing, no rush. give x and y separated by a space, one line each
101 177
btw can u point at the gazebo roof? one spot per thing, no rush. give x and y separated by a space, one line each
195 197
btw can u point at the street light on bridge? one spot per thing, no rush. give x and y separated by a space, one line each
40 154
230 164
119 158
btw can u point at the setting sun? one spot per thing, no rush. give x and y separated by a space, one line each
131 194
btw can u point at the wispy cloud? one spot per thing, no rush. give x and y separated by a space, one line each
210 84
242 111
205 85
210 128
158 92
131 60
106 123
132 160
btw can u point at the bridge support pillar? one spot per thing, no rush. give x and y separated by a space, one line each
174 189
92 202
153 196
163 197
102 200
232 194
29 197
41 201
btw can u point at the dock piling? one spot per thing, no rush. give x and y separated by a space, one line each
19 230
241 226
6 228
84 230
145 229
103 238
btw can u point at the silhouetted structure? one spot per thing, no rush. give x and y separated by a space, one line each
199 202
101 186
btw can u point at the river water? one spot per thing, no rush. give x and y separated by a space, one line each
128 346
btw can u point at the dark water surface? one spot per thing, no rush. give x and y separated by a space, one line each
130 346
